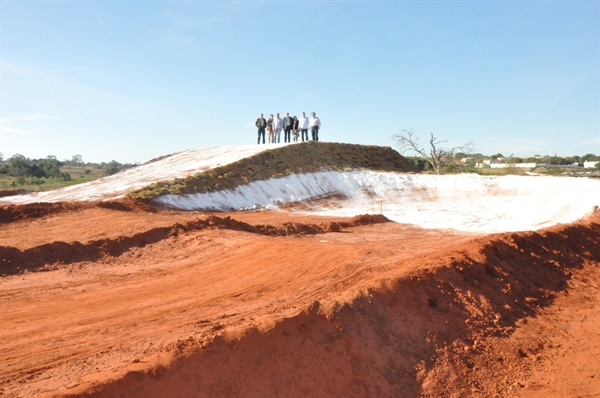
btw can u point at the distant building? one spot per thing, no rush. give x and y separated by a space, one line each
590 165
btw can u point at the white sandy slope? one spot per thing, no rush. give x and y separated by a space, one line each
181 164
463 202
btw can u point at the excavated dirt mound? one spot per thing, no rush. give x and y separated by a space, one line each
300 158
11 213
13 192
137 303
436 332
48 256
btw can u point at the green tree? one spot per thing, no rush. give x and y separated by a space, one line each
514 160
557 160
18 165
77 160
590 157
112 168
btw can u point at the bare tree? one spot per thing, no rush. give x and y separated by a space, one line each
437 156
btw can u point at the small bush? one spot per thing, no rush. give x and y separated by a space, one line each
452 168
514 170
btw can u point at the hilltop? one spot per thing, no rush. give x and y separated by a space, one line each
336 180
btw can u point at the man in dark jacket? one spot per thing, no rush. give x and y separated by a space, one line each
288 124
261 123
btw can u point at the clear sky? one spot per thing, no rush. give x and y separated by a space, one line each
133 80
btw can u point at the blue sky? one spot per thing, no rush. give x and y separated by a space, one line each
133 80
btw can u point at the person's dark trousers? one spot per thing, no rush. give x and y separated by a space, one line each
304 131
288 135
261 131
315 133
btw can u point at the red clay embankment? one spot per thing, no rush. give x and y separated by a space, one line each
490 317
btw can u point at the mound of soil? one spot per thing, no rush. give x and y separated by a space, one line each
12 213
13 192
305 157
49 256
433 333
170 304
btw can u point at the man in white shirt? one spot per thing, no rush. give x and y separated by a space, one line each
288 123
277 126
315 125
303 126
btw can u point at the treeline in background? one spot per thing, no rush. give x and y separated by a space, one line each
20 172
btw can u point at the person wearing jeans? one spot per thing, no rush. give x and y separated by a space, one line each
277 126
261 123
315 125
288 122
303 125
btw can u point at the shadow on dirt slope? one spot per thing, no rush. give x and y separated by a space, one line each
386 340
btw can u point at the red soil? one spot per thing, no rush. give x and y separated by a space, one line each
139 303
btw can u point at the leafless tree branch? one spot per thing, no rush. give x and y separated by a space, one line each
407 141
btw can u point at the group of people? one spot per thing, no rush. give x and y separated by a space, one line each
291 126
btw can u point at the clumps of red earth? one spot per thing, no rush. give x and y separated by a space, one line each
48 256
12 213
13 192
169 304
463 323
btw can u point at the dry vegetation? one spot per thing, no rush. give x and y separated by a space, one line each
306 157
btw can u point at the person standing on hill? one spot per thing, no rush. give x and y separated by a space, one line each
295 129
303 124
287 127
315 125
261 123
270 130
277 126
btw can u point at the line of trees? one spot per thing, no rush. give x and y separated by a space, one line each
20 166
49 167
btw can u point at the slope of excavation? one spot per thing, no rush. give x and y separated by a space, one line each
82 319
177 165
41 257
384 309
464 202
333 179
217 168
